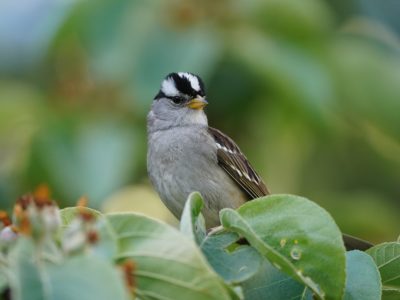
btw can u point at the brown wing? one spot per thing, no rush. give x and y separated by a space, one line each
233 161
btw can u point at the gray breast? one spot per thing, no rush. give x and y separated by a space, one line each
181 160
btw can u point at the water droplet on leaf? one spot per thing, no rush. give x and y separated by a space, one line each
295 253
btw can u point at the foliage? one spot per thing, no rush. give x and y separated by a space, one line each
309 90
275 247
387 258
363 279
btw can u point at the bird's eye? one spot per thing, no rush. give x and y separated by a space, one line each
177 99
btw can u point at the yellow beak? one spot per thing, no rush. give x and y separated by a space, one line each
197 103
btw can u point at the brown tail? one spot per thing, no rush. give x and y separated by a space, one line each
353 243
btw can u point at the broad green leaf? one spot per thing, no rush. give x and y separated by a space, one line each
297 236
363 280
28 282
390 294
78 277
169 265
107 246
85 277
270 283
192 222
233 262
387 258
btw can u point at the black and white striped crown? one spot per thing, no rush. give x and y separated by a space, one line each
181 84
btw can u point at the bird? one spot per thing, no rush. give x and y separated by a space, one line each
185 154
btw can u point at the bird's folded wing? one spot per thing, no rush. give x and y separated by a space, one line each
233 161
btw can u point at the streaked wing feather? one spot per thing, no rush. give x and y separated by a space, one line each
233 161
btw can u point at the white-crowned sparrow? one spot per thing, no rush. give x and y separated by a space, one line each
186 155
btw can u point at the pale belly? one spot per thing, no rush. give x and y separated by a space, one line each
176 170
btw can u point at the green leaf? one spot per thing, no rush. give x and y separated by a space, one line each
79 277
28 283
363 279
233 262
390 294
192 221
106 247
270 283
297 236
387 258
169 265
85 277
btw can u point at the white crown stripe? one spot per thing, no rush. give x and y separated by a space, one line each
194 82
169 88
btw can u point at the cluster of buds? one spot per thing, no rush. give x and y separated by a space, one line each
34 215
9 232
82 231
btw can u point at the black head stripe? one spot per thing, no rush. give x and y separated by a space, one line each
183 85
159 95
202 91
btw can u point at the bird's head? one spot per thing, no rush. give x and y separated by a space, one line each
181 100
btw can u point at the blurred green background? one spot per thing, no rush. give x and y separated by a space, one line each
310 90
